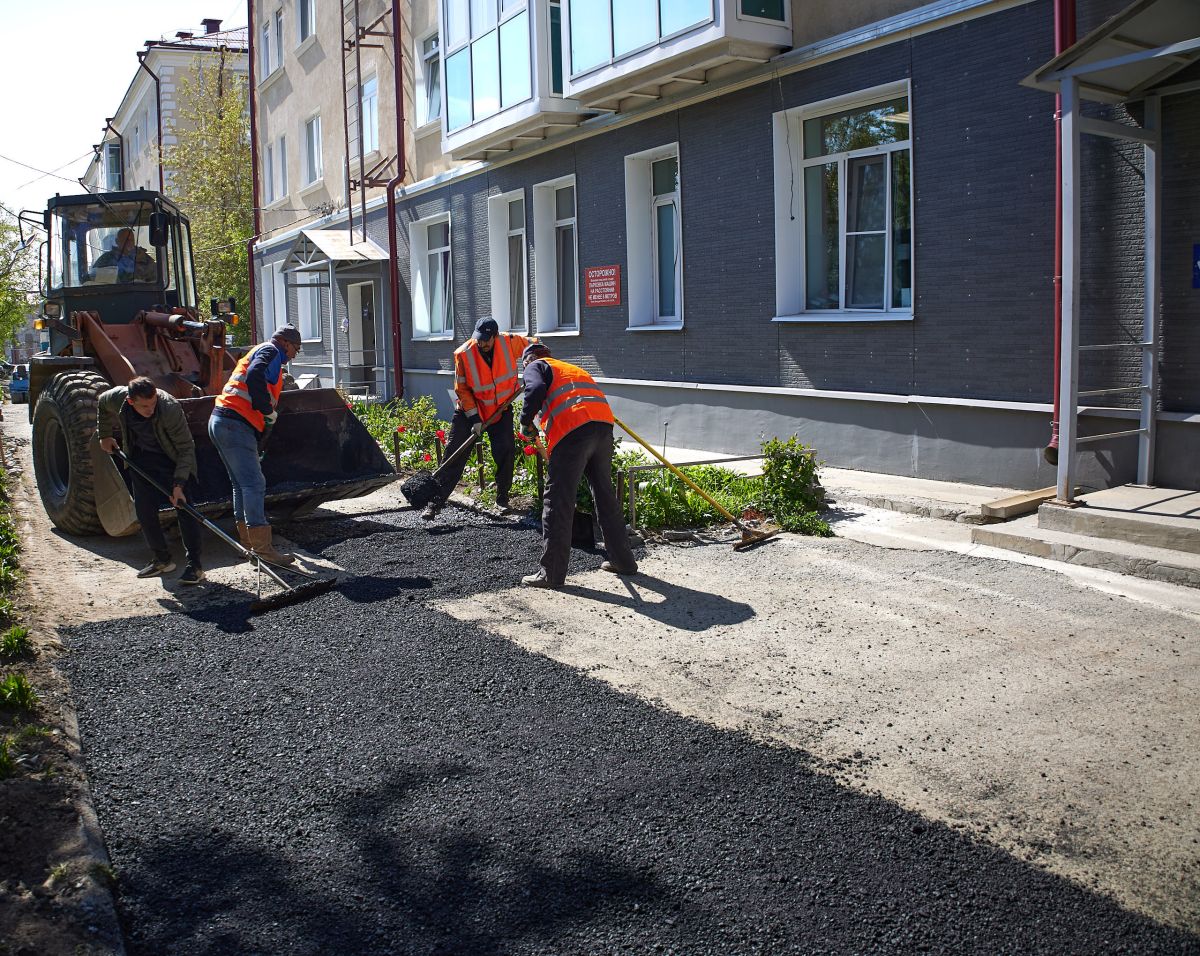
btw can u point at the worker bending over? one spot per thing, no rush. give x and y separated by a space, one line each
578 424
243 417
486 375
154 435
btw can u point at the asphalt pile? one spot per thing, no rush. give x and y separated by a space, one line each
363 774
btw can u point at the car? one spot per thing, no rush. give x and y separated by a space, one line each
18 388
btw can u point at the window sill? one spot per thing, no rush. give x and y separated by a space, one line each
428 129
818 317
556 333
275 203
433 338
657 327
270 79
306 44
316 341
313 186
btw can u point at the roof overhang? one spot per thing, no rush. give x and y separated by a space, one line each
1130 54
315 249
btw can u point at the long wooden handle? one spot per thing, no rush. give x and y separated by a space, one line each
695 487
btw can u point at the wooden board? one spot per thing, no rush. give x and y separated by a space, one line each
1025 503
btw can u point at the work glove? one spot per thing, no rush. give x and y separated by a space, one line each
271 418
477 428
530 431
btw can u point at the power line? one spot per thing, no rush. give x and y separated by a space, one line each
57 169
44 172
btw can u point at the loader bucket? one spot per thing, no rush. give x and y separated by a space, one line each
318 451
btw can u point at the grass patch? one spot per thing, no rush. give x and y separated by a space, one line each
16 692
15 642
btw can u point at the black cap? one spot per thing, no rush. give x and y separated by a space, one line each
485 329
289 333
534 350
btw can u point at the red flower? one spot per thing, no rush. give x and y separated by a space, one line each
440 434
530 450
400 429
428 457
350 406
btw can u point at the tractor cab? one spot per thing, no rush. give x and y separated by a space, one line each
116 254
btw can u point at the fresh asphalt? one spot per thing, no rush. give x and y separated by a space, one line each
363 774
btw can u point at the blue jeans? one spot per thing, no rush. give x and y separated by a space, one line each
237 444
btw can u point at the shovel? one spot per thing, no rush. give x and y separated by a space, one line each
750 537
291 594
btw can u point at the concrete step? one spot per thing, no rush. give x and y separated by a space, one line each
1173 532
1123 557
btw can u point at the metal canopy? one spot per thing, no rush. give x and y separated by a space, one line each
1130 54
1128 58
317 249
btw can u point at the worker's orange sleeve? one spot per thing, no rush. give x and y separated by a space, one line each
466 398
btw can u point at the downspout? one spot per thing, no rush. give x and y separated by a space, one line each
108 127
250 53
392 186
158 116
1064 37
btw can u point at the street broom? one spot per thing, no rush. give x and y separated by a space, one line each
750 537
291 594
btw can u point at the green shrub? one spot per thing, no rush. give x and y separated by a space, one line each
17 692
15 642
791 491
8 764
412 426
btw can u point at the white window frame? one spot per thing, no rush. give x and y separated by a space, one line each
269 174
419 251
281 176
306 10
569 50
427 57
641 231
370 113
112 152
545 255
314 168
310 306
278 37
791 294
499 234
274 291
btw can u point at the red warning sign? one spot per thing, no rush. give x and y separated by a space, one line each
602 285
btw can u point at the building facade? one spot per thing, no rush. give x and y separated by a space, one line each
130 153
752 219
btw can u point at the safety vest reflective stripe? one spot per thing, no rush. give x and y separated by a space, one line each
574 400
475 370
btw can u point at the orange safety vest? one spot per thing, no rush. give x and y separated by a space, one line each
484 383
574 399
236 394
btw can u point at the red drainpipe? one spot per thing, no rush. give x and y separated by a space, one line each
392 186
250 53
1064 36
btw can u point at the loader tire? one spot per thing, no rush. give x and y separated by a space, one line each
64 421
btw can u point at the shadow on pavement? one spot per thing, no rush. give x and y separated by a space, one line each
681 607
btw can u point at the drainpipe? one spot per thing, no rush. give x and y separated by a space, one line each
392 186
251 53
1064 37
108 127
158 115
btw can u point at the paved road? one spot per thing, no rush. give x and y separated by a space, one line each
368 773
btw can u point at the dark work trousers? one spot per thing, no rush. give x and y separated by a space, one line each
584 452
147 500
504 454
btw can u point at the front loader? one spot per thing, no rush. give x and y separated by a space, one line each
121 302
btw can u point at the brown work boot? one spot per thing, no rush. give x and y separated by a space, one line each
243 533
260 544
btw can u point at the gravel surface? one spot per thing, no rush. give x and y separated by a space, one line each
366 774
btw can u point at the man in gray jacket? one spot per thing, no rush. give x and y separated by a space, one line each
154 434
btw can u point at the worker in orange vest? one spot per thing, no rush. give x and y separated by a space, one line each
486 375
578 423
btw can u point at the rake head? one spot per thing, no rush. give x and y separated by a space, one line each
751 538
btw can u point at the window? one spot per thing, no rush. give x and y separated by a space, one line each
264 53
269 178
556 275
146 135
281 181
274 294
606 30
653 224
306 19
277 46
312 151
310 306
509 265
112 166
487 58
764 10
271 54
370 114
433 286
556 58
844 206
431 74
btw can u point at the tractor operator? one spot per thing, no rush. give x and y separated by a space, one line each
154 434
486 369
134 264
243 417
578 423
